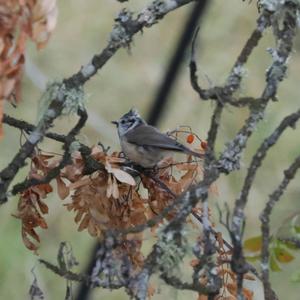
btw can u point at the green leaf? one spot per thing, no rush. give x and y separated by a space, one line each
253 258
282 255
274 265
253 244
297 229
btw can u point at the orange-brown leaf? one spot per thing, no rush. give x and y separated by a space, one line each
282 255
194 262
151 290
62 189
43 206
31 232
232 288
248 294
30 245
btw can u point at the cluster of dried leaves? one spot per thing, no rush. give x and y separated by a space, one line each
111 198
20 20
106 199
229 287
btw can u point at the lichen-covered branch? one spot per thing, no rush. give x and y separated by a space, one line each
66 158
230 158
285 13
28 128
289 174
288 121
225 94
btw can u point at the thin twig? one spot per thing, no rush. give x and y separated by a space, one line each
66 159
225 93
289 174
288 121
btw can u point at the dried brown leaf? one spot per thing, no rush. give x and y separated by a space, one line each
232 288
29 245
42 206
123 176
62 189
31 232
109 189
43 21
84 223
249 277
115 189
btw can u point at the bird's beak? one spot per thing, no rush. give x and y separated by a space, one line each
115 122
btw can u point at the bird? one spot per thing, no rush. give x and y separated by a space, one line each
144 144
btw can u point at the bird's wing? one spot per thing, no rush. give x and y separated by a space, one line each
146 135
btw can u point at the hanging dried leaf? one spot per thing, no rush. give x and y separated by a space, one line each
107 199
42 21
123 177
20 20
30 211
62 189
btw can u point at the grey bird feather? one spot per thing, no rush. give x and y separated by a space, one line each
155 139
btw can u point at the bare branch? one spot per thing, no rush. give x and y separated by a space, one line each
66 159
288 121
63 273
289 174
28 128
224 94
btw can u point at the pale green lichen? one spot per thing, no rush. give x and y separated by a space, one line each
271 5
171 253
120 36
152 13
74 147
47 97
72 99
278 6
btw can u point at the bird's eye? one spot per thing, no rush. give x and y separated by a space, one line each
131 120
123 122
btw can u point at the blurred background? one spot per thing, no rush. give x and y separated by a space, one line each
131 79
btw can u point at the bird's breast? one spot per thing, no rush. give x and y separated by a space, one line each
145 156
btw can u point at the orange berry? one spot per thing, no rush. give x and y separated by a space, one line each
190 138
204 145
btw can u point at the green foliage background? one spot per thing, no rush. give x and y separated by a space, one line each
131 79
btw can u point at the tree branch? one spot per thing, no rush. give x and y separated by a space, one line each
224 94
289 174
